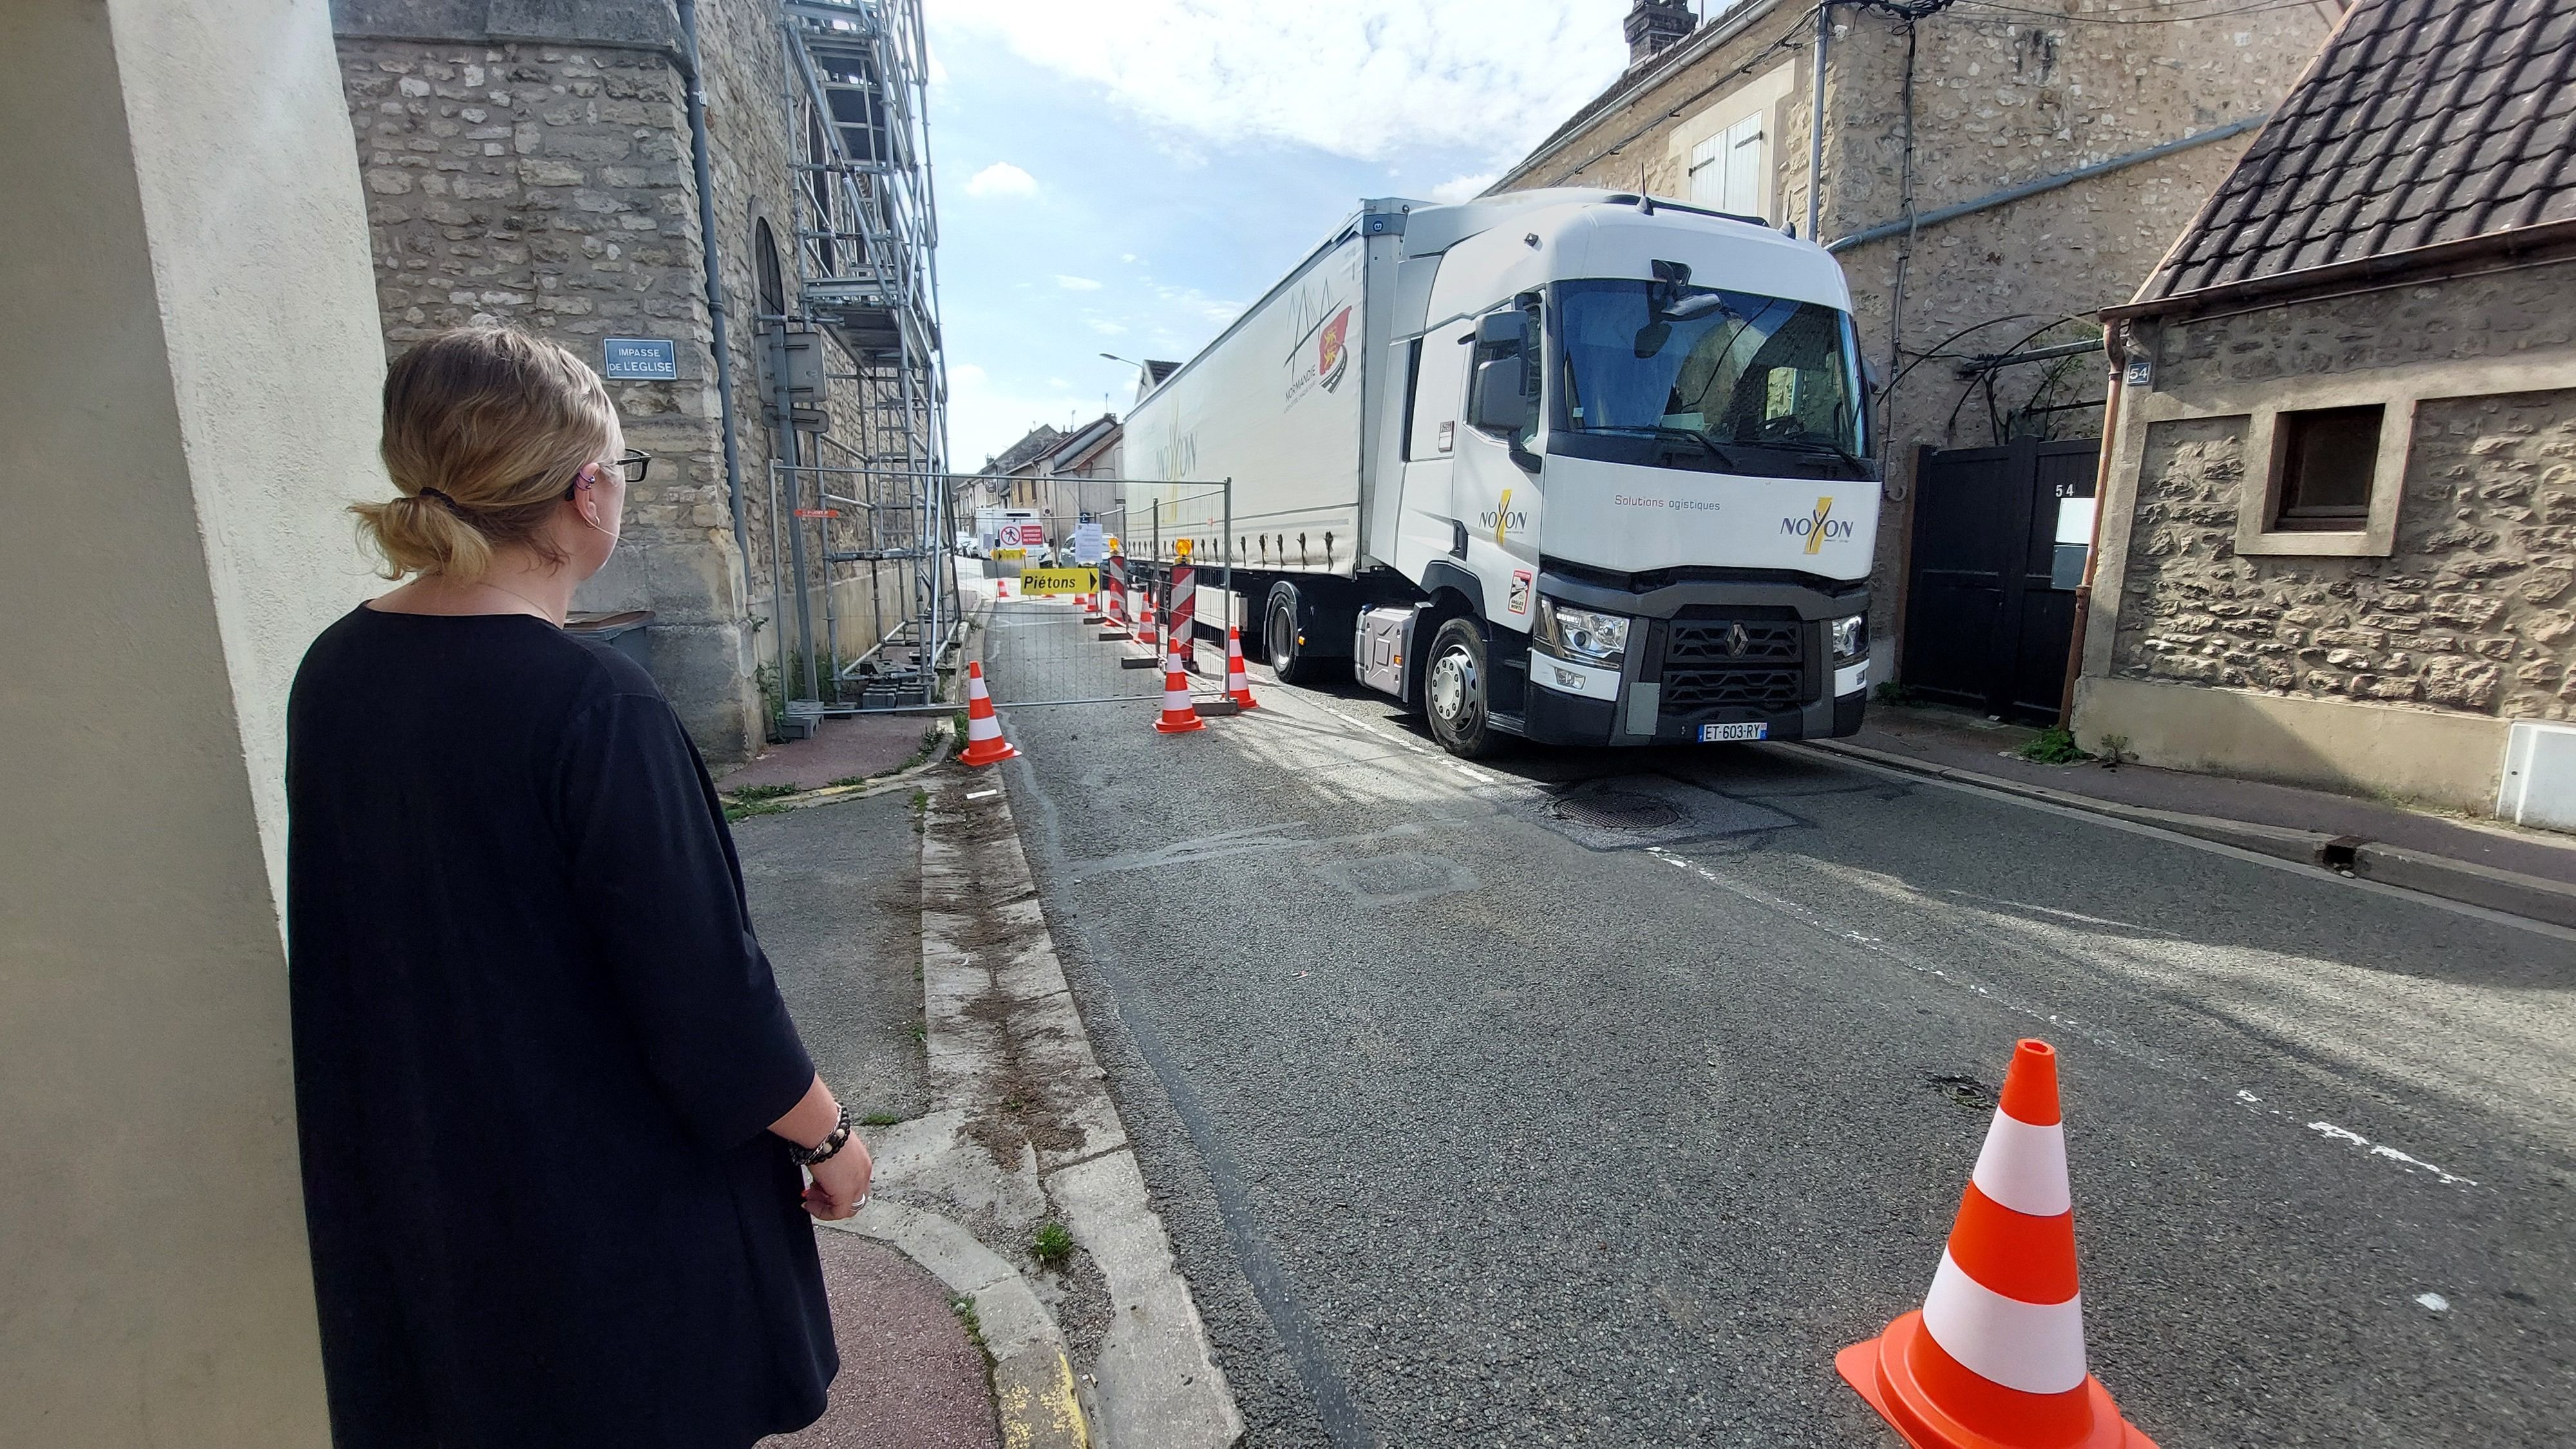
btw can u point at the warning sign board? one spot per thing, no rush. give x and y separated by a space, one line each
1010 555
1059 581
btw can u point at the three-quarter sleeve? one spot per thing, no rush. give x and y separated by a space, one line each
654 879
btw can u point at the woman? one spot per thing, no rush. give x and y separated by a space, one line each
551 1107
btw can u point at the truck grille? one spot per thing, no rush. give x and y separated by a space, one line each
1771 691
1753 665
1763 641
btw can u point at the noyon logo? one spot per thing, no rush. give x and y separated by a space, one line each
1819 527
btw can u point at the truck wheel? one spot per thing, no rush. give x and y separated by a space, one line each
1453 690
1279 637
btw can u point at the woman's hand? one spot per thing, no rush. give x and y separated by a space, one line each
840 1186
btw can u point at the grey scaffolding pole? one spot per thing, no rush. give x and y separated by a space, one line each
866 237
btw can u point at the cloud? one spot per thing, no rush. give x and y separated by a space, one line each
1076 284
1107 329
1463 188
964 375
1001 179
1365 79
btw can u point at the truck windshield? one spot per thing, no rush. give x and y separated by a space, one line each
1721 374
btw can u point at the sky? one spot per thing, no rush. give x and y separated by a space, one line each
1126 176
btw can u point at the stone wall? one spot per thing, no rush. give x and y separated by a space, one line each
1998 100
2475 611
549 186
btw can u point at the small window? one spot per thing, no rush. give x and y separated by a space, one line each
2328 458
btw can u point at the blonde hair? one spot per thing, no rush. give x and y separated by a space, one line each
485 429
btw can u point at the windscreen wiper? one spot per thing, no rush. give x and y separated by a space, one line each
1682 435
1813 445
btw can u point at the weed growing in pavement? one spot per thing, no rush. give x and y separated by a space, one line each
879 1119
920 811
846 781
957 722
750 800
1052 1244
1891 692
964 1308
2054 746
2115 751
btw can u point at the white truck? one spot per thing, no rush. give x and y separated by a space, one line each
1580 466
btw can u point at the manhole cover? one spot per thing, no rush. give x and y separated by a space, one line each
1616 810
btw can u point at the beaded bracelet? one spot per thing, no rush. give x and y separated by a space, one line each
825 1150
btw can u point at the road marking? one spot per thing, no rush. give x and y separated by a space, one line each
2112 822
2137 1052
1478 776
982 794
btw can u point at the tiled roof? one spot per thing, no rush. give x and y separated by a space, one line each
1032 445
2421 122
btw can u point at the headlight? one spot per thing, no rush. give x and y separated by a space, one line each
1584 635
1850 636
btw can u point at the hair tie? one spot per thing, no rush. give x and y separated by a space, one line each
443 500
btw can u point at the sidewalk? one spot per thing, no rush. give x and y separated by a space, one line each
1009 1283
2522 872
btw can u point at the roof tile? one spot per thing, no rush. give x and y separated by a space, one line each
2425 120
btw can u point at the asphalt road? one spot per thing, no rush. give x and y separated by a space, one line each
1476 1124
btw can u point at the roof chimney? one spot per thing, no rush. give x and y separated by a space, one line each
1654 25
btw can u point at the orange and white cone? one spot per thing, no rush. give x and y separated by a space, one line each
1091 608
1116 599
1180 715
1145 624
984 742
1995 1357
1238 685
1001 587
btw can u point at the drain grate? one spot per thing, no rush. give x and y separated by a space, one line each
1615 810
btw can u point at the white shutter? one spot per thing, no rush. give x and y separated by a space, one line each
1747 169
1708 172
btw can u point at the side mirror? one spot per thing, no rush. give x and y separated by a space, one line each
1500 333
1496 402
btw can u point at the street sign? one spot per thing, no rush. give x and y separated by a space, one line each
1089 544
1059 581
1010 555
639 359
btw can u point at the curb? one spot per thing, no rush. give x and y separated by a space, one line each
1033 1395
2486 887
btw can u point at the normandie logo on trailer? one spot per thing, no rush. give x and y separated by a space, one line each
1816 528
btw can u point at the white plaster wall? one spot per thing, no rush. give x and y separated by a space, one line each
186 403
267 298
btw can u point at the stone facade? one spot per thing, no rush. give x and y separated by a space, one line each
2473 609
1999 100
549 185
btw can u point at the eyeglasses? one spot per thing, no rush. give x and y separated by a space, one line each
633 464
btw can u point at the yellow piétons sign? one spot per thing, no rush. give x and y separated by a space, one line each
1059 581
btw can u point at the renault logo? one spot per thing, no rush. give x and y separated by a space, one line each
1737 641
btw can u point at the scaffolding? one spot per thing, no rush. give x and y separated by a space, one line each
863 485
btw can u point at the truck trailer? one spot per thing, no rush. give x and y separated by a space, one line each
1579 466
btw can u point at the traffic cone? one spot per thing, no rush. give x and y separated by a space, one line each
1145 624
1179 714
1116 598
1001 587
1090 606
1238 687
984 742
1995 1357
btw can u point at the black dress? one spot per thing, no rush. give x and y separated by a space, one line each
537 1051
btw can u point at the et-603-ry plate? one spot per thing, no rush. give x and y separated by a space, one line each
1710 732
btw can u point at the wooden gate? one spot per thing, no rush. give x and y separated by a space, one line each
2000 538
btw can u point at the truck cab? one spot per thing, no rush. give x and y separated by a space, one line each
1633 475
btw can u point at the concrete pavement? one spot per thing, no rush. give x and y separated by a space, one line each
1600 1097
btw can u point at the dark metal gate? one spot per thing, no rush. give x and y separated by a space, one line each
2000 538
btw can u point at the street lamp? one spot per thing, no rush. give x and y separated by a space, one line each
1114 357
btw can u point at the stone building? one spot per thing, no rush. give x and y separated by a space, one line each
533 163
1990 177
2339 521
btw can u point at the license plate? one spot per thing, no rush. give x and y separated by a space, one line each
1734 732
